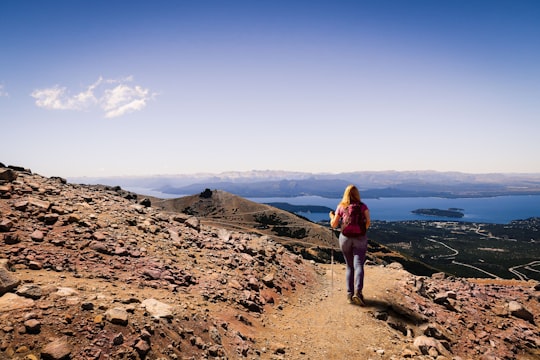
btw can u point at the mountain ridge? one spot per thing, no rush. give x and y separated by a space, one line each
372 184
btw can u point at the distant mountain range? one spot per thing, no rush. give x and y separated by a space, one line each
372 184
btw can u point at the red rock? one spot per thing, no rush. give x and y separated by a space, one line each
37 235
33 326
6 225
142 347
59 349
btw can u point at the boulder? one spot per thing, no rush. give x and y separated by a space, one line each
395 265
11 301
428 346
142 347
56 350
7 174
32 326
30 291
157 309
5 225
37 236
517 310
268 280
194 223
145 202
7 281
117 316
42 204
5 190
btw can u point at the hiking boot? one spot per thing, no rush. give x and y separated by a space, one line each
358 299
349 298
362 299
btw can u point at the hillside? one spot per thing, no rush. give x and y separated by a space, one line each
224 209
89 272
95 272
312 241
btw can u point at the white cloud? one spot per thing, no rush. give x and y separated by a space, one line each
2 91
124 99
56 98
114 101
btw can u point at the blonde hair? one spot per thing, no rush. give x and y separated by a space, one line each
350 195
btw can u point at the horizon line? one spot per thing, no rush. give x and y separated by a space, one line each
208 173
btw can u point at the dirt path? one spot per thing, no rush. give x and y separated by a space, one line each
322 325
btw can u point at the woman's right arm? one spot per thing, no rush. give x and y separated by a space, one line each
334 219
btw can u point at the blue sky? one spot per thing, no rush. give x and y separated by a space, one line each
112 88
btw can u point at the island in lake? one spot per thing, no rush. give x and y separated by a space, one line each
451 213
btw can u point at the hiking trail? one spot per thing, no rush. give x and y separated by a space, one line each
321 324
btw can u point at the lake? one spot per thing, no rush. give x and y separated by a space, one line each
499 210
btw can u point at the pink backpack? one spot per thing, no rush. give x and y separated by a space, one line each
353 222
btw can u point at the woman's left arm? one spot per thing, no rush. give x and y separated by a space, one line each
368 218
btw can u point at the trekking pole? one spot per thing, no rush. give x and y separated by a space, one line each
332 265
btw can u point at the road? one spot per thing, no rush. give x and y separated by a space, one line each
455 252
519 274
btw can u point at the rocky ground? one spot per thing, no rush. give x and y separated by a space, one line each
94 272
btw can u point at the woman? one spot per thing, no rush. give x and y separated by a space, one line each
354 247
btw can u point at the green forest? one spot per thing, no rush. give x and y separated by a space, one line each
509 251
